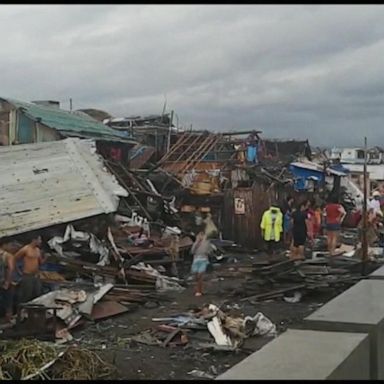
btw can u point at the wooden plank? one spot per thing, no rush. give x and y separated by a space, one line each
276 292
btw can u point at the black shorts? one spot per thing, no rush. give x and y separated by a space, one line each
299 239
30 288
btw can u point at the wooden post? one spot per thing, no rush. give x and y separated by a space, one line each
364 243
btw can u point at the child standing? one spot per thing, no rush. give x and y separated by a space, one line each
200 250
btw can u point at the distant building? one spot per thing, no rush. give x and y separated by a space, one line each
356 155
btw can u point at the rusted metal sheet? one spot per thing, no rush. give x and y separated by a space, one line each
106 309
51 183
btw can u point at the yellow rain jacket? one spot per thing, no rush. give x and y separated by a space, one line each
266 224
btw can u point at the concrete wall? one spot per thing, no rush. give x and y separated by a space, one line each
378 274
307 355
358 309
342 340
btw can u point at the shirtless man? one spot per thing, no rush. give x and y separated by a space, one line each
6 270
30 284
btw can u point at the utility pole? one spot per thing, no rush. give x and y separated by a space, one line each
364 243
170 131
70 104
164 106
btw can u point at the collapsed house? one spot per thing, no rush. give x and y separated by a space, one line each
154 130
287 150
53 183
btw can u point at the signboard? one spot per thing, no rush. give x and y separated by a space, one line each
239 206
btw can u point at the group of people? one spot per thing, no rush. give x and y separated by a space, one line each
296 223
375 208
25 263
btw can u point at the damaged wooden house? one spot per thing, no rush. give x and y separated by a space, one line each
42 121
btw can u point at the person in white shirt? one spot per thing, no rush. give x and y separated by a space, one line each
374 203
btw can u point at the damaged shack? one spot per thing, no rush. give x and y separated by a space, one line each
45 121
53 183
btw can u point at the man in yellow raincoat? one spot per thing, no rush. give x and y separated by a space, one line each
272 228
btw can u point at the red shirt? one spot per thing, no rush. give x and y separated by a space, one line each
333 212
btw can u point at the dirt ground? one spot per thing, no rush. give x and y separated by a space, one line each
140 361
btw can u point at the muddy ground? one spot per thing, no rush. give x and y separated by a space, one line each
140 361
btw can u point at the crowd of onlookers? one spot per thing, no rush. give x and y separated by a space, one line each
297 224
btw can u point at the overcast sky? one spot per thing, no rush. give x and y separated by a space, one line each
306 71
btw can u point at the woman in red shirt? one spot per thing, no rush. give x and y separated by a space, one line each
334 213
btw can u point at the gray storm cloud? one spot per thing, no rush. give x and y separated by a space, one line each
291 71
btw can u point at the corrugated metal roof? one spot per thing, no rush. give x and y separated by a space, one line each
53 182
318 168
65 121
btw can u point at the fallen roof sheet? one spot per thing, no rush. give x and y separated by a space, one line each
75 123
317 167
54 182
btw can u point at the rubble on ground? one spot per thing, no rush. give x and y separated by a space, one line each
32 359
208 328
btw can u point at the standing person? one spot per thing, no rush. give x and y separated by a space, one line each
374 203
372 233
335 214
288 204
299 231
174 251
287 221
7 266
317 221
311 220
30 284
288 228
271 228
200 250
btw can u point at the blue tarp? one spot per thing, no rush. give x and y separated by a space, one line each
339 168
301 175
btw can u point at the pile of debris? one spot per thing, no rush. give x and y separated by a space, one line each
209 329
32 359
282 279
79 290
